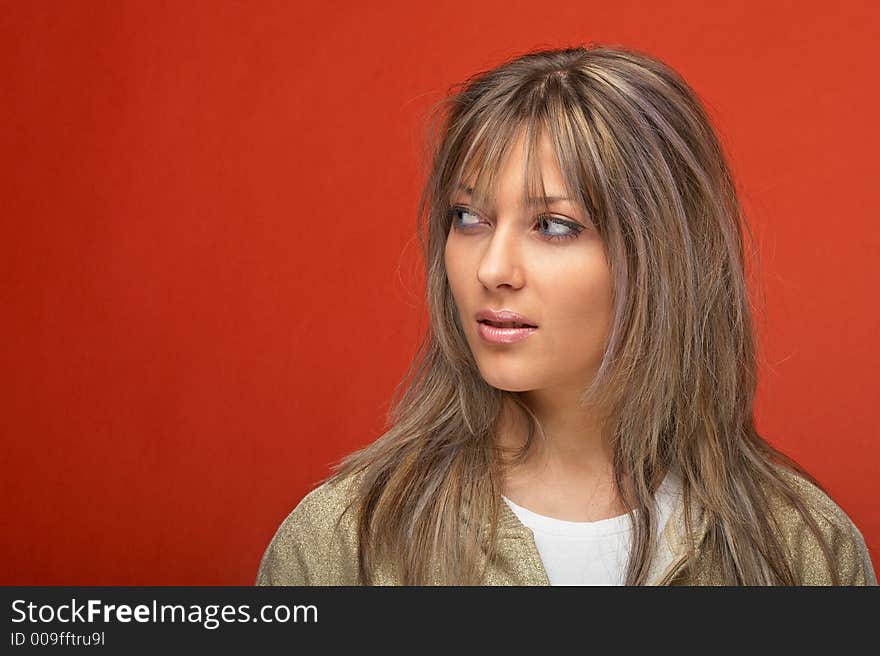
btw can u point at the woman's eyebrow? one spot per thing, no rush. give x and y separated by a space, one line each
533 199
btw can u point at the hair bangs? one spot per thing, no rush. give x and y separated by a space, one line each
573 141
477 172
548 112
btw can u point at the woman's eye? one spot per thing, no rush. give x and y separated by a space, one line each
551 227
559 229
459 214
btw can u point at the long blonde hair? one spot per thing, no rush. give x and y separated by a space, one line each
679 371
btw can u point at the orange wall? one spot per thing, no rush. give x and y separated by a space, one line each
210 285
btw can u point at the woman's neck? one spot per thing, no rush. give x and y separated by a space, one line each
568 471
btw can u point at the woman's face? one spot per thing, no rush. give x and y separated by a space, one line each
550 270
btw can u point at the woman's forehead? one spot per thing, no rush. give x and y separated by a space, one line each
554 193
536 177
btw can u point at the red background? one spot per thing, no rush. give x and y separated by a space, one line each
208 273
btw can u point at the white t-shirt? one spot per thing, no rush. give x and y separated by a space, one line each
591 553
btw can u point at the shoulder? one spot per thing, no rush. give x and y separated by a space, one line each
847 545
316 544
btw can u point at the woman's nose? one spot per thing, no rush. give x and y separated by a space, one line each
500 263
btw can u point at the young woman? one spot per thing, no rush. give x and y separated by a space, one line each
581 411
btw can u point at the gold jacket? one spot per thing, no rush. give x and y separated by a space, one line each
307 549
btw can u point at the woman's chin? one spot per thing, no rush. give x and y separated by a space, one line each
508 383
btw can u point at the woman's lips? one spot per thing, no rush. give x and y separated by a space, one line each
496 335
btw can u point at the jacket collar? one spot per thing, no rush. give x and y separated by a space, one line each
669 557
